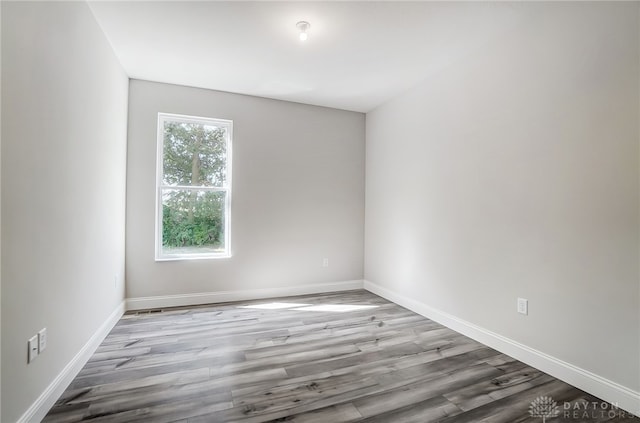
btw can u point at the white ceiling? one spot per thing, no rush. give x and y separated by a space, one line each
358 55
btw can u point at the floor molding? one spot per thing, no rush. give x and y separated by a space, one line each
161 301
625 398
45 401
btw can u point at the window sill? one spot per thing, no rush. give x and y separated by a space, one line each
194 257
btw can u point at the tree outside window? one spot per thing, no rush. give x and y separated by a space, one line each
194 158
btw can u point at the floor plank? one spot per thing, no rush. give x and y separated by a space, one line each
279 360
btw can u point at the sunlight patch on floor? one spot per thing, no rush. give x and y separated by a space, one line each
275 306
334 308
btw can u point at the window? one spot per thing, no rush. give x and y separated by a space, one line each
193 187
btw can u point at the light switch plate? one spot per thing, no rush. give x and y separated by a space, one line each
33 348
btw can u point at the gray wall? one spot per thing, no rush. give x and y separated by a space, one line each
64 117
514 173
297 195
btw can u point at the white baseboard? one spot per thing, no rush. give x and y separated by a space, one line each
625 398
161 301
39 409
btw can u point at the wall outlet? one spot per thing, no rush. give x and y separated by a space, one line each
33 348
325 262
42 340
523 306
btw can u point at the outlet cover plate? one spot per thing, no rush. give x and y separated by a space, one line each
42 340
523 306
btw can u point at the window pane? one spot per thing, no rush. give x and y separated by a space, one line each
193 222
194 154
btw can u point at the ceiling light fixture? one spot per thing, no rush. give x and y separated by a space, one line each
303 26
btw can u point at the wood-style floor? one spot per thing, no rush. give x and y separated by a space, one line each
311 358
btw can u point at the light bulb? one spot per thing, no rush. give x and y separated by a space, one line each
303 26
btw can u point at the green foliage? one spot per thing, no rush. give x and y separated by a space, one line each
204 228
194 156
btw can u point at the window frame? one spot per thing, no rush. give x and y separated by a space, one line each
160 187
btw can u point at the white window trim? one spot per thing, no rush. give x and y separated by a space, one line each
228 124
